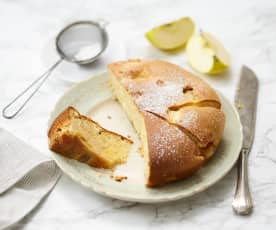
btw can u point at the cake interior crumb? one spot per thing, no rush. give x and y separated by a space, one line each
140 151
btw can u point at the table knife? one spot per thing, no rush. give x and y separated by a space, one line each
246 104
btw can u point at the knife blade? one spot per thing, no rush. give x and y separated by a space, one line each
246 104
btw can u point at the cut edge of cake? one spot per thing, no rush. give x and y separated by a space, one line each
134 115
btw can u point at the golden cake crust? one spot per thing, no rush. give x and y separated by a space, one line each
172 154
206 124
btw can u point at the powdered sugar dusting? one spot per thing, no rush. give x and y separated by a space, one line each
167 142
157 98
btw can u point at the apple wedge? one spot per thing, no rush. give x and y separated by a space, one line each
206 54
173 35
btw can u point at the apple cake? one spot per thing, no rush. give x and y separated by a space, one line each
177 116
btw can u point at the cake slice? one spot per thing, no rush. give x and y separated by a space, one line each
78 137
158 97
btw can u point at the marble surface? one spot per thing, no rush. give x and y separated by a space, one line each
246 28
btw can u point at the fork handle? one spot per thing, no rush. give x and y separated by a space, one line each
242 203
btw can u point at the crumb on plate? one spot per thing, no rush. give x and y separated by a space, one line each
118 178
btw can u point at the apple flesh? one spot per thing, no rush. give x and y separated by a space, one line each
206 54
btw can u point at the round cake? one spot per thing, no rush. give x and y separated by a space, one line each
177 115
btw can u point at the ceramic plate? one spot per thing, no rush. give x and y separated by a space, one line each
94 99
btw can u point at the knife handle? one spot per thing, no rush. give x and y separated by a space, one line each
242 203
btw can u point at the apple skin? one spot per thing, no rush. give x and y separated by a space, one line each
218 68
173 35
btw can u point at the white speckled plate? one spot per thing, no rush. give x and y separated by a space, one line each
94 99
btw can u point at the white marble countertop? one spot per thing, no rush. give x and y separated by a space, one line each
248 31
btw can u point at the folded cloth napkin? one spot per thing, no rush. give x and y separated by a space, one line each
26 177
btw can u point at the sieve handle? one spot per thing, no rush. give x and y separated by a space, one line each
32 88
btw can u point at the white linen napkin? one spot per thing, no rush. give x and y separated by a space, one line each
26 177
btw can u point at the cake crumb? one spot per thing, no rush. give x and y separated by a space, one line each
159 82
109 117
140 151
118 178
128 136
108 84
